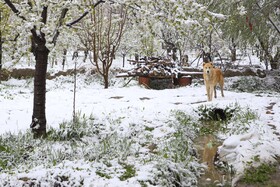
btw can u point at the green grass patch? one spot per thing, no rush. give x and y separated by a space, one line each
213 120
102 174
259 175
129 172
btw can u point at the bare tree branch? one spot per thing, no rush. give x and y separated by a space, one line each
84 14
269 19
13 8
44 14
98 2
30 3
77 20
62 16
35 36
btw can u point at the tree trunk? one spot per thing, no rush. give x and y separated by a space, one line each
0 44
274 64
0 54
123 55
64 58
210 42
38 124
233 51
233 54
106 81
1 50
274 61
86 54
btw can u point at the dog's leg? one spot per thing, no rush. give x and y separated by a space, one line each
211 90
222 88
215 93
208 92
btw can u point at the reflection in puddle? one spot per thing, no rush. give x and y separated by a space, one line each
207 146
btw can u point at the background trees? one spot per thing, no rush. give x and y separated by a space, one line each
101 35
253 24
8 36
44 21
145 28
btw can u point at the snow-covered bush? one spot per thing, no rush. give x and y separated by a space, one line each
178 164
83 151
254 84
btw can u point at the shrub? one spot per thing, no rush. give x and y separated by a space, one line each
259 175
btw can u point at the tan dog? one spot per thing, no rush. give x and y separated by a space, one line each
212 76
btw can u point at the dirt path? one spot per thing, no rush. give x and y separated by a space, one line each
270 112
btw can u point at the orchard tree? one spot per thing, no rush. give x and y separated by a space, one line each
1 38
102 34
264 23
8 37
179 25
255 23
4 27
43 21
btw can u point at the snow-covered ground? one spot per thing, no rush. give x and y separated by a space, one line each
135 104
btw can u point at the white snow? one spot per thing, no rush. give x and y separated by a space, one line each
135 104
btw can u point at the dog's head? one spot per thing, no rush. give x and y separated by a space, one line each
208 67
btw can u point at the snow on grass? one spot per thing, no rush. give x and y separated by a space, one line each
127 136
86 153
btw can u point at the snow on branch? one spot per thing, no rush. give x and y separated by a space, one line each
13 8
269 19
84 14
44 14
62 16
77 20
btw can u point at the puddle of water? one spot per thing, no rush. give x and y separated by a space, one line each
207 146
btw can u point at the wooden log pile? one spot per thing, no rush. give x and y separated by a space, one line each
154 67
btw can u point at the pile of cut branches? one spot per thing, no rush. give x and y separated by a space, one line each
154 67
